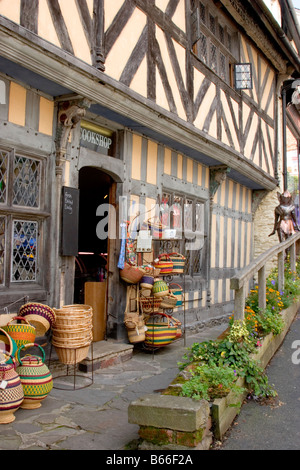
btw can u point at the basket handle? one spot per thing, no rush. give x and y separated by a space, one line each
177 254
19 318
173 284
5 353
29 345
164 255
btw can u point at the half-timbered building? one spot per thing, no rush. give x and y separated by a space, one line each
110 106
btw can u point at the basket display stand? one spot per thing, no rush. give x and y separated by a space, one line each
168 245
70 379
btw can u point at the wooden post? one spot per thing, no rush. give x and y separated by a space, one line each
239 303
281 270
293 257
262 288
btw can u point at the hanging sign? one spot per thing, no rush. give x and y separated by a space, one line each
96 138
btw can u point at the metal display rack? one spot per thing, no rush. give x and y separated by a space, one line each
168 248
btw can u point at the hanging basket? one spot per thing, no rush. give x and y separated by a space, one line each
178 263
147 281
137 334
160 288
164 263
150 304
22 333
169 301
131 274
177 290
160 333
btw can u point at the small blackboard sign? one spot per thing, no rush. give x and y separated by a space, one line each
70 220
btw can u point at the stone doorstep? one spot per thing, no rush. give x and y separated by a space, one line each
104 354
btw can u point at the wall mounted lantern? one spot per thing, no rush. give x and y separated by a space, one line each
243 76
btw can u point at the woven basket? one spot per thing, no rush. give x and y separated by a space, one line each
42 310
131 274
70 356
164 263
160 288
150 304
178 263
8 345
20 332
137 334
151 270
169 301
147 281
160 333
178 292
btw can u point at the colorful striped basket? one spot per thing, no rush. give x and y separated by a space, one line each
160 288
147 281
12 396
178 261
164 263
8 345
35 377
160 333
22 333
178 292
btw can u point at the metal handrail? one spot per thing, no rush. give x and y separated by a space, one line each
238 282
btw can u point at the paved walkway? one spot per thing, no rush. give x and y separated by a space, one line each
95 418
275 426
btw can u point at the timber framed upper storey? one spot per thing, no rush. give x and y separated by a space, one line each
170 62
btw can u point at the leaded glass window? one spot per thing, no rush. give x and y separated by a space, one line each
2 249
214 39
21 217
24 259
3 175
26 182
187 216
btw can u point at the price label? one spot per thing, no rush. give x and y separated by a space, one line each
3 384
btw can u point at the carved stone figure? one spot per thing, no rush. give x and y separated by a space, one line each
285 217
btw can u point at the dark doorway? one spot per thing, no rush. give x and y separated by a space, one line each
91 262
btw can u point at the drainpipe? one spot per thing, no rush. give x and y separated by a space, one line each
284 138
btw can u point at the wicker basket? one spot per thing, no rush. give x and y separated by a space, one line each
71 356
177 290
41 316
160 288
178 263
137 335
147 281
160 333
22 333
131 274
149 304
169 301
164 263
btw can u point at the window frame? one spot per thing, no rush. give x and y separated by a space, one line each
12 212
230 53
183 241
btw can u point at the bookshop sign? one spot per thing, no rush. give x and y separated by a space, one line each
96 138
